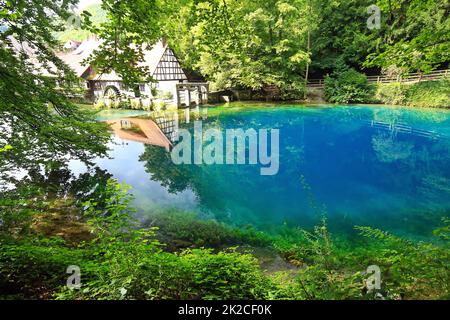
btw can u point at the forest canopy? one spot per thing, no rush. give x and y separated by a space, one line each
254 44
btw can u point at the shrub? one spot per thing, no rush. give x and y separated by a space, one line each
35 268
128 263
412 270
390 93
348 86
292 91
158 105
422 94
125 261
428 94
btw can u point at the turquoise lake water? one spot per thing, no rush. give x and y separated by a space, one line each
380 166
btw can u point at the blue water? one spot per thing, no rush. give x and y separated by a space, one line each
380 166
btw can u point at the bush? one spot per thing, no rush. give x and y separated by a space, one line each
390 93
121 261
138 273
423 94
158 105
292 91
348 86
412 270
35 268
428 94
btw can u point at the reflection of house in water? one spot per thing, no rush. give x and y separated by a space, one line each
169 121
161 130
126 124
140 130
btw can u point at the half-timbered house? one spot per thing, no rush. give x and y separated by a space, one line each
171 80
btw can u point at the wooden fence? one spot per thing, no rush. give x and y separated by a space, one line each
406 78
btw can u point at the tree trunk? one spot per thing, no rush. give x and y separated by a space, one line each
308 48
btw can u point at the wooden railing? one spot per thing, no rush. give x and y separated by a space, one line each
316 83
406 78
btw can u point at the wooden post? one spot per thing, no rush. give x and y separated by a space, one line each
200 94
187 115
178 96
187 96
176 135
198 99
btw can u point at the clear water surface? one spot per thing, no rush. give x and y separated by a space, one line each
360 165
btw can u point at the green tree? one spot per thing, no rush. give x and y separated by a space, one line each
131 27
38 120
242 44
415 33
340 35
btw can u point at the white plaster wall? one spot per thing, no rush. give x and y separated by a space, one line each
168 86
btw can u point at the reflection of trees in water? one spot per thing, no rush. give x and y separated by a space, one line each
423 168
410 115
157 162
389 115
57 181
388 149
428 115
178 178
223 188
414 117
